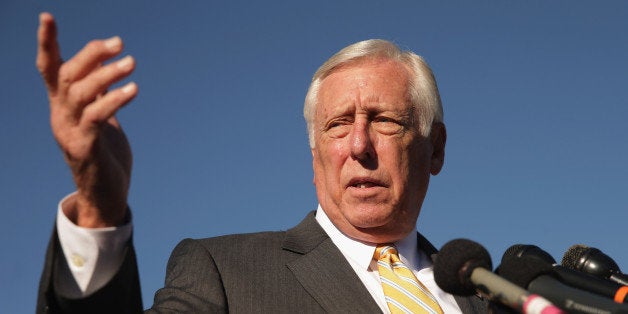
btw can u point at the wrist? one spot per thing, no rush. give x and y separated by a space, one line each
83 213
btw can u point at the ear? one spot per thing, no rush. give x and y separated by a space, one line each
438 137
314 161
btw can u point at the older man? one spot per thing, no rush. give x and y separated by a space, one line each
375 128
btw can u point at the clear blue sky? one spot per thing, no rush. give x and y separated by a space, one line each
535 96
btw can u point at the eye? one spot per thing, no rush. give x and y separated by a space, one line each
387 125
338 127
338 122
335 124
384 120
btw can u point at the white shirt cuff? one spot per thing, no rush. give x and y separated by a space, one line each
93 255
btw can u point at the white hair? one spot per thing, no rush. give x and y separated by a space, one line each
423 90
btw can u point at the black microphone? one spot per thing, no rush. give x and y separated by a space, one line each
463 267
568 276
595 262
538 277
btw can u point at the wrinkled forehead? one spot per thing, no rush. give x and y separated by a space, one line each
371 85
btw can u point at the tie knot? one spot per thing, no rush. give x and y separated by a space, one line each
403 291
385 251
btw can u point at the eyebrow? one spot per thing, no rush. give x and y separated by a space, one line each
372 102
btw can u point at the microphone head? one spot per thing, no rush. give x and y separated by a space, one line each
521 270
589 260
528 250
456 261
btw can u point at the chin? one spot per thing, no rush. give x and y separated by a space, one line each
379 235
370 216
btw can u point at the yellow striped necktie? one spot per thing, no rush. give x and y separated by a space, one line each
403 291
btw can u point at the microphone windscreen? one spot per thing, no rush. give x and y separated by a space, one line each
514 250
454 264
522 270
590 260
572 257
520 250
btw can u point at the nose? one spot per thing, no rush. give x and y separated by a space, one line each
361 143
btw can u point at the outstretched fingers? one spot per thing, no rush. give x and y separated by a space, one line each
78 87
48 55
88 59
105 107
98 81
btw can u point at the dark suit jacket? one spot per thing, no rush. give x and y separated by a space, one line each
294 271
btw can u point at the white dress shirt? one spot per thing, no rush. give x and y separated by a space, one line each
360 257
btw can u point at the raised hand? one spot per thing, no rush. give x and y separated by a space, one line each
82 116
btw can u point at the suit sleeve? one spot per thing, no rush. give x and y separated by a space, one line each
120 295
193 283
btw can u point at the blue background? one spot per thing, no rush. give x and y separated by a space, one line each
534 93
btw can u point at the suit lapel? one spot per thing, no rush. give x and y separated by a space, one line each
327 276
324 272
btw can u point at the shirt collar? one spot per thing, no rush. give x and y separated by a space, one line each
362 253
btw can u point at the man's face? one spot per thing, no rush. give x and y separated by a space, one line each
371 164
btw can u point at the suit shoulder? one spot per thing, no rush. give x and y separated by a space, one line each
241 244
243 239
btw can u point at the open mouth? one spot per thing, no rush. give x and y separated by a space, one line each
364 183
